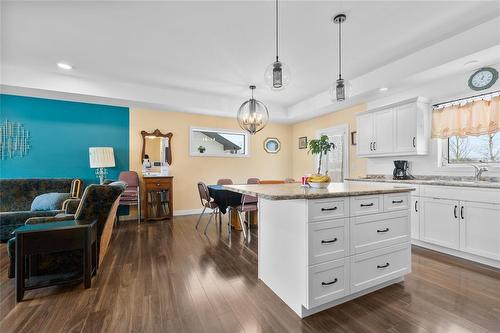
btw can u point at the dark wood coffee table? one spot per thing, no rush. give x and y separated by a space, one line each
33 239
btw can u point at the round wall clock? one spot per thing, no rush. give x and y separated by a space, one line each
272 145
483 78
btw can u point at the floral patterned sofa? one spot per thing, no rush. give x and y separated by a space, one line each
16 196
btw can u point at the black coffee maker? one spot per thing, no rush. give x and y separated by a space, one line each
401 170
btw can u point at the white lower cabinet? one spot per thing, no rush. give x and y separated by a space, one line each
328 282
439 223
480 229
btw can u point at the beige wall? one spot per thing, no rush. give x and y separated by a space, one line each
188 170
304 163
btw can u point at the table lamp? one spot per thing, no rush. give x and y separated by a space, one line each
100 159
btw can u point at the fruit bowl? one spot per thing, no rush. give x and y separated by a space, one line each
319 185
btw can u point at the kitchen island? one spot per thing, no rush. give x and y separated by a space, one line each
318 248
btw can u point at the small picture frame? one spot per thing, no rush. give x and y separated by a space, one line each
303 142
354 138
272 145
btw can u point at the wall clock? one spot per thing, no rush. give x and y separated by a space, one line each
483 78
272 145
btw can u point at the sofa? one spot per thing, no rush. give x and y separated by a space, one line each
16 196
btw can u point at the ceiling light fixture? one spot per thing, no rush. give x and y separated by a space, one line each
252 115
341 89
63 65
277 75
383 89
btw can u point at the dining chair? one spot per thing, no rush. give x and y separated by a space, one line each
132 194
248 205
253 181
225 181
207 202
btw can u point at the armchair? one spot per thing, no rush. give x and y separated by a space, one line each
99 202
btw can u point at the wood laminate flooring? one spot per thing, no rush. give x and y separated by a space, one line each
167 277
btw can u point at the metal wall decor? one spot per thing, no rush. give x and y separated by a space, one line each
14 140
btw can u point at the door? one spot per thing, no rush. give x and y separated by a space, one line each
439 222
480 229
415 218
336 162
365 133
406 128
383 129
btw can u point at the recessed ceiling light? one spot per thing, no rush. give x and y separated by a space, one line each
63 65
383 89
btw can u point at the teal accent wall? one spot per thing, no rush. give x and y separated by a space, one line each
61 134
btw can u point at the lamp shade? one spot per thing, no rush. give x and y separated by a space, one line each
101 157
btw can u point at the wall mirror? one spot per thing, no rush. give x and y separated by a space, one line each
157 147
218 142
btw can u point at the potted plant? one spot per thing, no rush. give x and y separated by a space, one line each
320 147
201 149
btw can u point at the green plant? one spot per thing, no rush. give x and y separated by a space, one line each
320 147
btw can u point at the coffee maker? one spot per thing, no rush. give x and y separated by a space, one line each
401 170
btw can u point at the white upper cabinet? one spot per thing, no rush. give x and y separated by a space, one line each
395 130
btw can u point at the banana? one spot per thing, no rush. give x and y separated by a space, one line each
319 179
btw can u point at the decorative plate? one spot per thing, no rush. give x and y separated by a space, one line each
272 145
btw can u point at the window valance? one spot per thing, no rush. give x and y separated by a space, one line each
474 118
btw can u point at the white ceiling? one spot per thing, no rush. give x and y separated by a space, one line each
216 49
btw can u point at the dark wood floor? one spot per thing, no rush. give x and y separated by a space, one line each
167 277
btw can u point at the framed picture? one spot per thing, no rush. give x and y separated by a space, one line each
354 138
303 142
272 145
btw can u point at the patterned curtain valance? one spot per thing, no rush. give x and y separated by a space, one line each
475 118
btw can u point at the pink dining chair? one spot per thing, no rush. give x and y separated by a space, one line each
225 181
132 194
207 202
253 181
248 205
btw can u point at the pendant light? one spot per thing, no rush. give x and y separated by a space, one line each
277 75
341 89
252 115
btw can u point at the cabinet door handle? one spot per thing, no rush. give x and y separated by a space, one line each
383 266
455 211
371 148
367 205
462 212
383 230
329 241
329 283
397 201
414 146
374 145
327 209
416 202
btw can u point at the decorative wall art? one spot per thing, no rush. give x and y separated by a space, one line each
14 140
272 145
303 142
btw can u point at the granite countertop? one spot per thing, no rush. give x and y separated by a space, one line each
296 191
433 180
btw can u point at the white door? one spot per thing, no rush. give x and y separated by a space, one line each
337 161
365 134
480 229
415 218
439 222
383 129
406 128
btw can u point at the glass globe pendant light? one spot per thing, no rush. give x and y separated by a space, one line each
341 89
253 115
277 75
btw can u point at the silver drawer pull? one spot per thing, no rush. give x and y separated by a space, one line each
329 241
367 205
397 201
329 283
383 230
383 266
327 209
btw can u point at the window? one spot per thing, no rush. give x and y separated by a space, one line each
215 142
474 149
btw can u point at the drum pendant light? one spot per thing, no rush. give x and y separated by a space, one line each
341 89
277 75
252 115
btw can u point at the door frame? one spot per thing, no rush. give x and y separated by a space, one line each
342 129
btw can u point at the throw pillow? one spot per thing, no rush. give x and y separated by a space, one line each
49 201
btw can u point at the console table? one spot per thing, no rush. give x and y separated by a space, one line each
158 197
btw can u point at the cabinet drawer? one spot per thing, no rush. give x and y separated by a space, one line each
395 201
476 194
372 268
325 209
372 232
366 204
328 240
157 184
327 282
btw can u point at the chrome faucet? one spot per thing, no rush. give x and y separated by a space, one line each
478 171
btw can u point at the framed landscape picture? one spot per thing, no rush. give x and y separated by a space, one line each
303 142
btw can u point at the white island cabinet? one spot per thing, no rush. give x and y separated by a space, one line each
321 247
